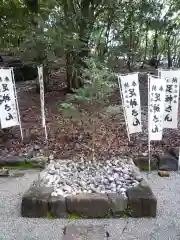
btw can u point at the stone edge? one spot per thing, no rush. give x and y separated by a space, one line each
37 202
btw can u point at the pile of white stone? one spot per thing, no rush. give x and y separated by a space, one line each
73 177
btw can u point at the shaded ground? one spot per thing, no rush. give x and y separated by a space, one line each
70 138
165 227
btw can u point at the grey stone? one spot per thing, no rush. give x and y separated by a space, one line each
57 207
113 185
126 177
11 160
174 151
85 233
35 202
37 147
111 179
141 201
67 188
92 205
116 169
118 204
138 178
68 182
4 172
116 176
142 162
106 181
98 179
168 162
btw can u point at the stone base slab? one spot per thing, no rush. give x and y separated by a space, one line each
140 202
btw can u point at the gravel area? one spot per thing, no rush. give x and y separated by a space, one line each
111 176
165 227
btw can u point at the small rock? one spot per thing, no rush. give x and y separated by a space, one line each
126 176
52 172
51 157
54 194
37 147
116 176
82 184
138 178
4 172
67 188
163 173
98 179
113 185
111 179
60 192
68 182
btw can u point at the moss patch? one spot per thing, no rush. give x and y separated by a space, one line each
50 216
144 166
73 216
124 216
21 166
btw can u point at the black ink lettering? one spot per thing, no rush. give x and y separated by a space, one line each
9 117
169 108
169 88
6 79
7 107
167 118
156 108
155 119
5 87
154 88
131 92
155 129
169 98
134 84
161 88
0 79
126 85
136 122
175 101
157 97
175 86
174 80
6 98
134 113
133 103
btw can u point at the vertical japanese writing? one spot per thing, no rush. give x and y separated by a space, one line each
172 79
8 108
131 99
156 107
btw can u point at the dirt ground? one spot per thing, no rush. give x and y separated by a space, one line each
68 137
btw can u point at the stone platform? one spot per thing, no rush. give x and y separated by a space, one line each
139 201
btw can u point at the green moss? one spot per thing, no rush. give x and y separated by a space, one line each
124 216
50 216
73 216
22 166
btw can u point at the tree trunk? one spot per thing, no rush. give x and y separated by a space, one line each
169 53
146 46
154 61
73 75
